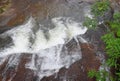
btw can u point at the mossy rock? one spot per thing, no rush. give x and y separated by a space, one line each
4 6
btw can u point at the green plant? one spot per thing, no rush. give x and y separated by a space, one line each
100 7
116 16
90 23
99 75
112 49
111 39
92 73
115 24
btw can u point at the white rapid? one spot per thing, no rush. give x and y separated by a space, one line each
63 32
47 48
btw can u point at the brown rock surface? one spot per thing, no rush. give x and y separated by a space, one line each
19 11
78 71
16 73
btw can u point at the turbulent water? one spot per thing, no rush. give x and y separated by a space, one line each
26 40
47 47
30 38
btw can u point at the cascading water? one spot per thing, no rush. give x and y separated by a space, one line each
63 32
47 49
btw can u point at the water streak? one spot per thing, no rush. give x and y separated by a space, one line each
48 50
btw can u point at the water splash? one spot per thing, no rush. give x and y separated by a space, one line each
63 32
48 50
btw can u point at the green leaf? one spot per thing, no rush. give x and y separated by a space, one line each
118 33
100 7
90 23
116 15
92 73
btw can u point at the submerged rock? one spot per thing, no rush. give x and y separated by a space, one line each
76 72
72 60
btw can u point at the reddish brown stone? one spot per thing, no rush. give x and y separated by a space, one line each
17 14
22 73
78 71
17 74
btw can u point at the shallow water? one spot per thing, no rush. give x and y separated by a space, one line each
45 39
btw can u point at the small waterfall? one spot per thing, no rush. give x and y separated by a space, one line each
46 49
62 33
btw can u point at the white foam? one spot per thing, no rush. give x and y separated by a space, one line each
49 61
50 57
87 12
31 64
63 32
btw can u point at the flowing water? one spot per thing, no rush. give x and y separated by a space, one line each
47 46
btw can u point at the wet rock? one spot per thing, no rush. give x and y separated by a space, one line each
4 5
16 73
94 38
42 10
78 71
115 4
5 42
23 73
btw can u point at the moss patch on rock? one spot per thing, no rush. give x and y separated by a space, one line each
4 5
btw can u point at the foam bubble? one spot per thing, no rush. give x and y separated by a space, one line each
50 57
62 33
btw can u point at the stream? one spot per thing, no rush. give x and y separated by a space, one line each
51 44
